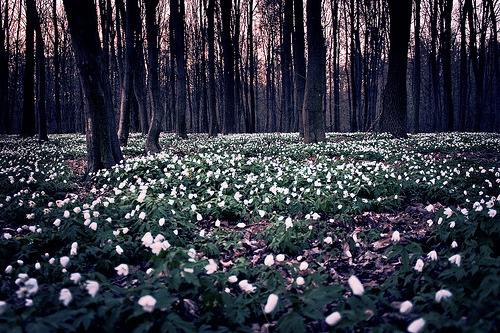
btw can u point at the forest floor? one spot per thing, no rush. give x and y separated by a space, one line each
253 233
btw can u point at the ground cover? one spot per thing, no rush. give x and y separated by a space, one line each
253 233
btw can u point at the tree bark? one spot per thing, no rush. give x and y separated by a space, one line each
417 70
252 118
103 149
229 125
286 68
152 141
448 100
393 118
313 113
177 8
299 64
212 102
40 81
4 72
57 70
28 116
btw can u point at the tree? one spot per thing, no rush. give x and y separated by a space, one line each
299 63
448 101
28 117
4 72
286 68
128 75
152 141
103 148
393 118
229 125
212 106
177 44
57 70
416 70
314 123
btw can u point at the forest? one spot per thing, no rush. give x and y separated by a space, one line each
249 166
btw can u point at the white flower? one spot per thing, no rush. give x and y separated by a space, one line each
416 325
333 318
125 230
147 239
356 286
3 307
161 222
280 257
454 244
92 287
395 236
147 302
232 279
28 302
245 286
8 269
118 249
303 266
315 216
492 213
202 233
38 266
241 225
75 277
432 255
328 240
269 260
419 265
30 216
448 212
65 296
122 269
64 261
93 226
31 286
66 214
405 307
288 223
77 210
261 212
429 208
199 217
74 249
142 215
211 267
452 224
272 301
300 281
430 222
442 294
455 259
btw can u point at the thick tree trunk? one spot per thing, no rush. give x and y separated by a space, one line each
313 113
212 102
229 125
152 141
300 65
103 149
393 118
28 116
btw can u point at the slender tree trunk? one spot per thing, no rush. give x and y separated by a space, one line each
140 84
300 64
393 118
229 125
496 65
28 117
448 100
435 97
152 141
40 82
177 8
252 117
57 70
313 113
464 73
4 72
336 66
286 68
417 70
103 148
212 101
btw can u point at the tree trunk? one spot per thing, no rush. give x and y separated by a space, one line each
57 70
4 72
128 74
103 148
229 125
152 141
28 117
464 72
448 99
313 113
252 120
300 64
286 68
393 118
40 82
417 70
496 65
140 80
212 102
177 8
